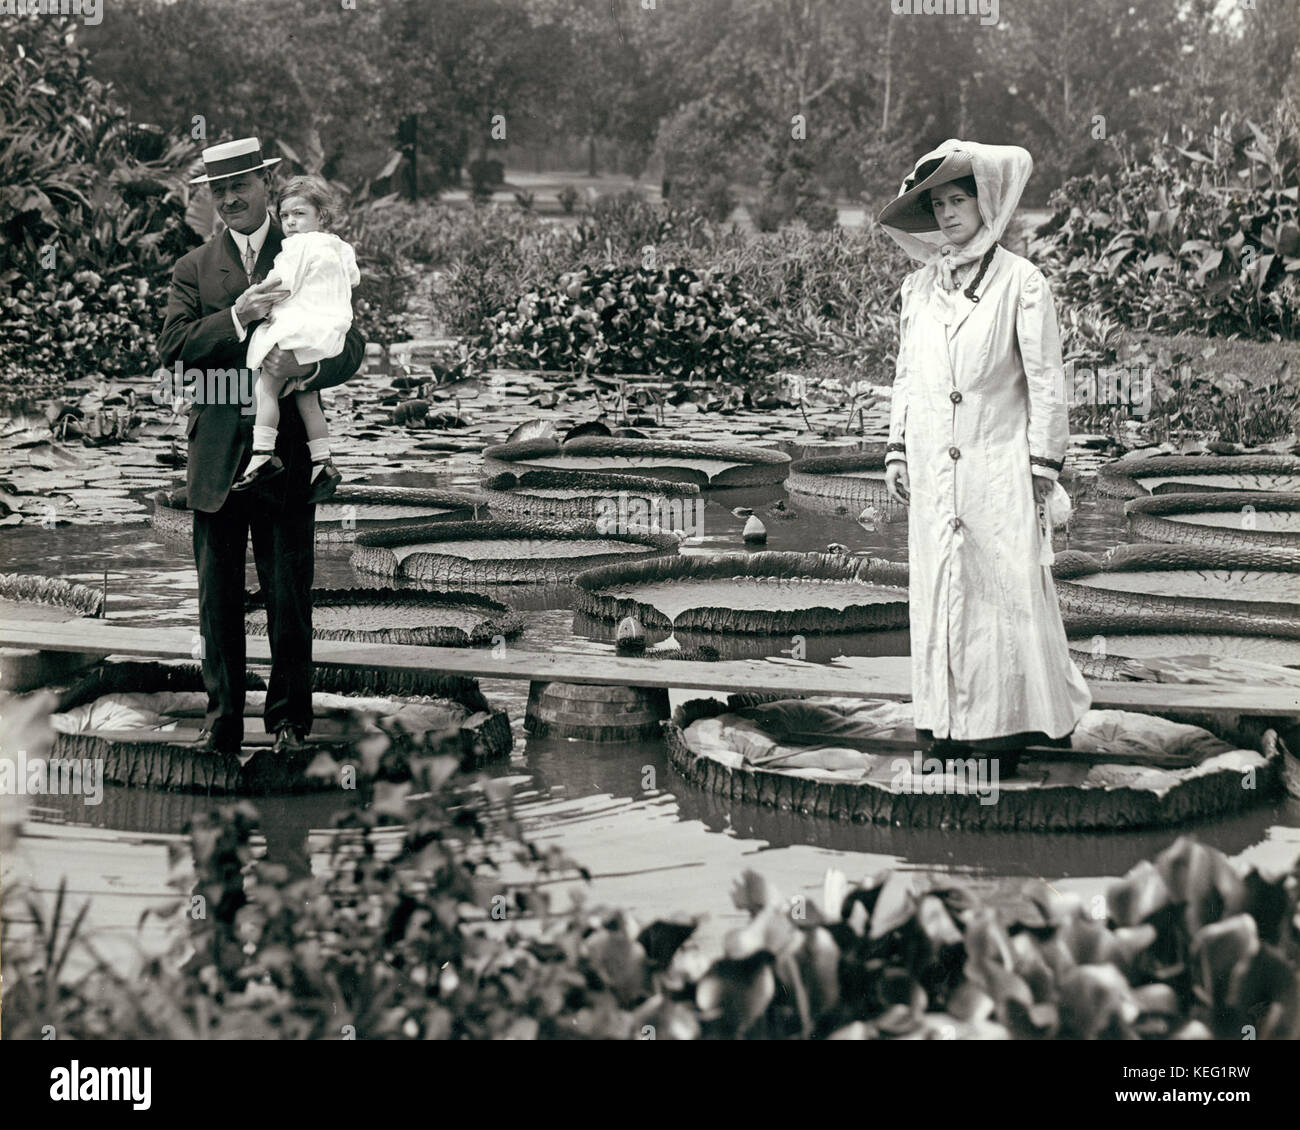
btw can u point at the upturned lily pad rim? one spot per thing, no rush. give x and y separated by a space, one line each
626 445
1165 504
867 459
751 466
595 482
501 529
1120 478
775 564
1152 555
30 588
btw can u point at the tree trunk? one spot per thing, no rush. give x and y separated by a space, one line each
889 75
592 171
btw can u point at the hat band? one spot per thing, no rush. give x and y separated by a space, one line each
240 164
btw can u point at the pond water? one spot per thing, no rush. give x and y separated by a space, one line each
656 851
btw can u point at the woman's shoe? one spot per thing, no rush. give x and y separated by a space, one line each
260 474
326 483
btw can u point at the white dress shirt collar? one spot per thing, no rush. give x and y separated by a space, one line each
256 239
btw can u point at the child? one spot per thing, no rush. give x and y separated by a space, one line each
319 270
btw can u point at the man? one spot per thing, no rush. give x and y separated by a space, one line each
215 301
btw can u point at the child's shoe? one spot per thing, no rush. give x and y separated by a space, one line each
259 474
325 483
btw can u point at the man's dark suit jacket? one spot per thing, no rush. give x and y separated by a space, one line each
199 332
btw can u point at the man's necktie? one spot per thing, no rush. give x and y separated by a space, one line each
250 260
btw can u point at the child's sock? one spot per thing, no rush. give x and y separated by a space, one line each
263 446
320 453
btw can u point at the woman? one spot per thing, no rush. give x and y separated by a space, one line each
977 439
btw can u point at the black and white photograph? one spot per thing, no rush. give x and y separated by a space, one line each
636 520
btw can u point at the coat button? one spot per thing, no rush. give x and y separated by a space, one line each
954 453
955 396
956 523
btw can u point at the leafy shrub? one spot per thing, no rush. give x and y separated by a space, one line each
715 200
671 321
623 224
493 257
1203 236
88 231
791 192
525 200
835 292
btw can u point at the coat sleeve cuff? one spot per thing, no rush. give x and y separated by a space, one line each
1046 468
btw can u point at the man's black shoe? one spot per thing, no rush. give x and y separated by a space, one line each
289 740
264 471
207 742
326 483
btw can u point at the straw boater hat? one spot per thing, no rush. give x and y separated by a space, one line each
231 158
907 210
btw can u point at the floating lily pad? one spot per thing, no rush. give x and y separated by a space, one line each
351 510
400 616
618 501
705 464
1137 478
1157 645
500 552
1125 770
854 479
141 721
1221 519
1254 582
761 593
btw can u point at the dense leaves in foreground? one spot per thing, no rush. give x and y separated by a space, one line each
434 922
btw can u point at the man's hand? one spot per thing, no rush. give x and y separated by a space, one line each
1042 489
256 302
281 366
897 482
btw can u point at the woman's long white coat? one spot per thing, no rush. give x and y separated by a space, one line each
974 401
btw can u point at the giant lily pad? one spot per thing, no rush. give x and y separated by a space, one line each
505 552
705 464
352 509
1219 519
1137 478
761 593
400 616
618 501
853 479
1257 582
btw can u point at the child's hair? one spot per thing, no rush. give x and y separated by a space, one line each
318 194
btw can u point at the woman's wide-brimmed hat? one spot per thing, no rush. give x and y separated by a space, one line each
907 211
231 158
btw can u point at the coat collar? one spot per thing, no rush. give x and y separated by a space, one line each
963 305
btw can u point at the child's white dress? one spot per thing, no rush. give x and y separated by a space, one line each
319 270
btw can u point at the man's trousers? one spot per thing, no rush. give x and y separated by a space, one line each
284 549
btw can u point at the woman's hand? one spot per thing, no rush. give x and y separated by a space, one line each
897 482
1042 489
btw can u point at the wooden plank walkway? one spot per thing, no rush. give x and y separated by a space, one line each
882 677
